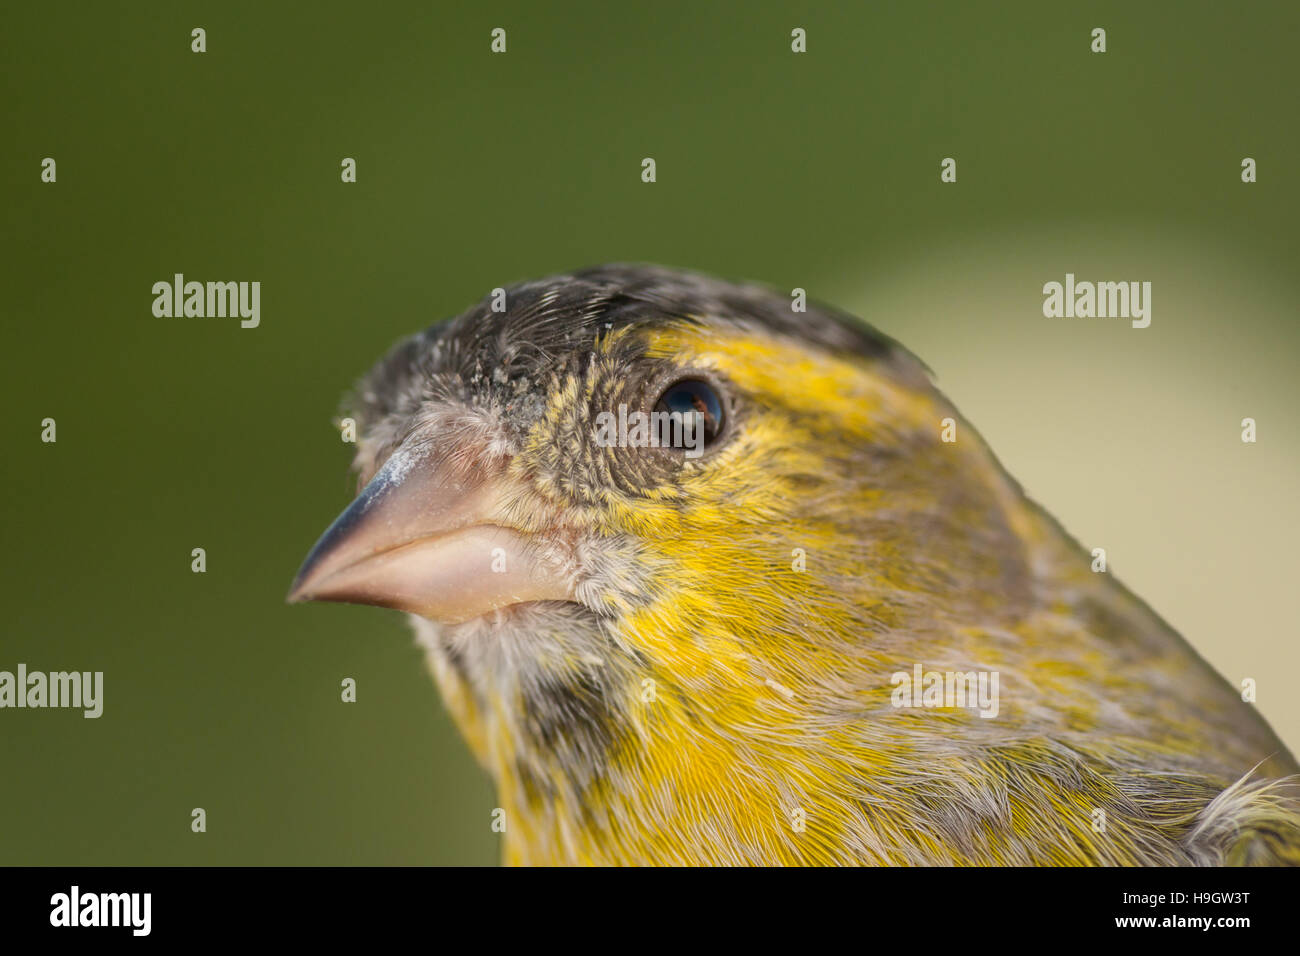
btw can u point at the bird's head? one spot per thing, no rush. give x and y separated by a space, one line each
588 576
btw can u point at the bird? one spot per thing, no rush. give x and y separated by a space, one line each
674 547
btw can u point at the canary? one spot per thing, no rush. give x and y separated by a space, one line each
704 579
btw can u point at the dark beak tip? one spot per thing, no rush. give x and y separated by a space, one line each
299 593
306 582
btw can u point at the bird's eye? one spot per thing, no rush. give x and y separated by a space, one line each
690 415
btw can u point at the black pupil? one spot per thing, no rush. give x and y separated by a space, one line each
699 407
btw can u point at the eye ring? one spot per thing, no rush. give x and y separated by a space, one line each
690 415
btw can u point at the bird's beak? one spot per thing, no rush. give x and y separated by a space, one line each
426 537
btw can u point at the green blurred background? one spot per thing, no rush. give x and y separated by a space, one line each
818 170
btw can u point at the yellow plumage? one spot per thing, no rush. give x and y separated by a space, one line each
719 687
